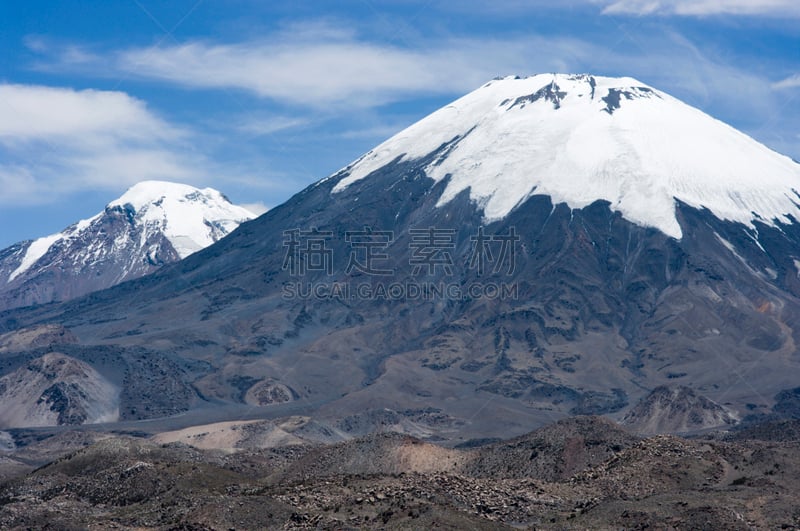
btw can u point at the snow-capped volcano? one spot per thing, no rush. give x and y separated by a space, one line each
580 138
614 260
153 223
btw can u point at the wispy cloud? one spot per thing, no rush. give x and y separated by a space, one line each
58 140
790 82
256 208
511 8
328 70
31 112
313 74
776 8
307 69
268 125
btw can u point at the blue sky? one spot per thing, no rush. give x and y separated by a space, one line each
260 99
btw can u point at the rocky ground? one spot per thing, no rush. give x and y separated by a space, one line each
580 473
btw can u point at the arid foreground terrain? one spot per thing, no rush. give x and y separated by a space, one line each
580 473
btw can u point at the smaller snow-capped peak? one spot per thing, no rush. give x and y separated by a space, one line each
583 138
190 218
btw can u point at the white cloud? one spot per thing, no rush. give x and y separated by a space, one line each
313 66
511 8
777 8
256 208
788 83
16 182
314 74
55 141
322 70
267 125
29 112
337 72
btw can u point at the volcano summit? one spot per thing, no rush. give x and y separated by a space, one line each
579 139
